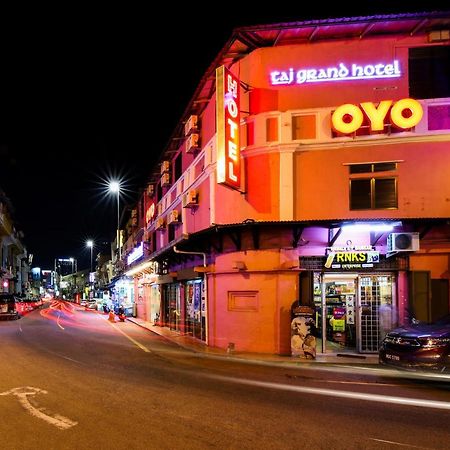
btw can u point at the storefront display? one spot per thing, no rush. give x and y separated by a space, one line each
352 310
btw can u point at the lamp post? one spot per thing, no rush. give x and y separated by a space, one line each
114 187
90 244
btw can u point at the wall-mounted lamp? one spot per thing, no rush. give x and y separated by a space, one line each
240 265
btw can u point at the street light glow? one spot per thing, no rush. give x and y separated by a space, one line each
114 186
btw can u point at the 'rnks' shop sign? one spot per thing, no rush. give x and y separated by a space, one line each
349 258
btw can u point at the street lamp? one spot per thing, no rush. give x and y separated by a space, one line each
90 244
114 187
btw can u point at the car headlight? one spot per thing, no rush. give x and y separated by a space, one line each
435 342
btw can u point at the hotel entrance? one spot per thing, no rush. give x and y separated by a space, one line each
353 311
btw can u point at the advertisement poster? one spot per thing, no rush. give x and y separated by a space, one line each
303 330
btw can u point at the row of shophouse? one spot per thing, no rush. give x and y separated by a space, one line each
15 262
312 167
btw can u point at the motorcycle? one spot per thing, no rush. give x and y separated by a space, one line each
121 315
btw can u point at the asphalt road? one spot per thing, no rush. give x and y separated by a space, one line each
69 379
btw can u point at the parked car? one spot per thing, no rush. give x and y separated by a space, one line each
419 345
8 307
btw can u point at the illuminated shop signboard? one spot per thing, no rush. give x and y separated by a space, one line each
351 257
150 214
341 72
404 114
135 254
228 120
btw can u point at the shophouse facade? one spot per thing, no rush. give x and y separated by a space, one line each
310 167
14 258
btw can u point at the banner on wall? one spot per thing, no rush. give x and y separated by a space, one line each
228 128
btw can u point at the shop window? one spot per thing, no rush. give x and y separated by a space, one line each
153 241
439 117
304 127
250 133
159 193
178 167
171 233
372 167
199 167
272 129
429 72
373 193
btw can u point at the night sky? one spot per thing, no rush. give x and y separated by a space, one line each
86 96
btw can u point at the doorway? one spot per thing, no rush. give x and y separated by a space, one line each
353 311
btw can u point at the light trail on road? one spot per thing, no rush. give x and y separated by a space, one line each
403 401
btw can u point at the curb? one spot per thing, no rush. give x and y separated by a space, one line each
355 360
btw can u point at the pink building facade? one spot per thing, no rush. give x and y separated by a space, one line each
311 168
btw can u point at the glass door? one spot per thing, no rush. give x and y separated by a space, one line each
375 311
334 301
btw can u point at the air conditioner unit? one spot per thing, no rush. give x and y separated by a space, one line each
192 142
191 124
403 242
165 167
165 179
190 199
160 224
150 190
173 217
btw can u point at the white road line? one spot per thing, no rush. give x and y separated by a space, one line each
142 347
423 403
400 444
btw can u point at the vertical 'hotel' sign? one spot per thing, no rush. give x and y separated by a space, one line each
227 114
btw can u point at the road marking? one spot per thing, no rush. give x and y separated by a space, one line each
22 393
360 383
399 443
142 347
57 321
342 394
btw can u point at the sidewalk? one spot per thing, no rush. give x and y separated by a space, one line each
194 345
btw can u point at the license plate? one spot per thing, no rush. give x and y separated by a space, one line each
392 357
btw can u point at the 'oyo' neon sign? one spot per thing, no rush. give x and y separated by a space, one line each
348 118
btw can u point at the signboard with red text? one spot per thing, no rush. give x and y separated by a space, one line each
228 120
150 214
